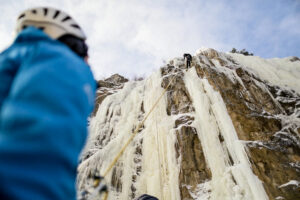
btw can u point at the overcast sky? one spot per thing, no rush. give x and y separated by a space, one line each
135 37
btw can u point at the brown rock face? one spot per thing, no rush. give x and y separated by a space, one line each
259 112
193 166
107 87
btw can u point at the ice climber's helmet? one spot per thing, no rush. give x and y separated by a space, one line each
57 24
54 22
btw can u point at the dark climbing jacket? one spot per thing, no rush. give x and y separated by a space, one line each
188 58
46 94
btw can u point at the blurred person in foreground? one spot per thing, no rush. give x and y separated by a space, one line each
46 95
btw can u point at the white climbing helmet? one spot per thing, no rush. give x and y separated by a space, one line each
52 21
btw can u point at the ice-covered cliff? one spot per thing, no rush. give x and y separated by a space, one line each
227 128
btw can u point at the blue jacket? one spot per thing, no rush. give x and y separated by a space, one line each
46 94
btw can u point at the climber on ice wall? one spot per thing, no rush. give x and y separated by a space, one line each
187 60
46 95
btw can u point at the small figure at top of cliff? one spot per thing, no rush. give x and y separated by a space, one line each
187 60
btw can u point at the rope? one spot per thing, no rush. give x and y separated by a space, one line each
136 131
105 196
159 160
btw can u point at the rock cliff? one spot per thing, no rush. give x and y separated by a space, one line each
227 128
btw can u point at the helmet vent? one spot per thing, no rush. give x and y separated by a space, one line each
56 14
75 26
45 11
66 19
21 16
33 11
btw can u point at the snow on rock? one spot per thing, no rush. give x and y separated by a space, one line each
201 192
281 72
203 49
291 182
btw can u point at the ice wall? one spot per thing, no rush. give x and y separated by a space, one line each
232 177
150 164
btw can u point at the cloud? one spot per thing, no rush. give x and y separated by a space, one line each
291 24
134 37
